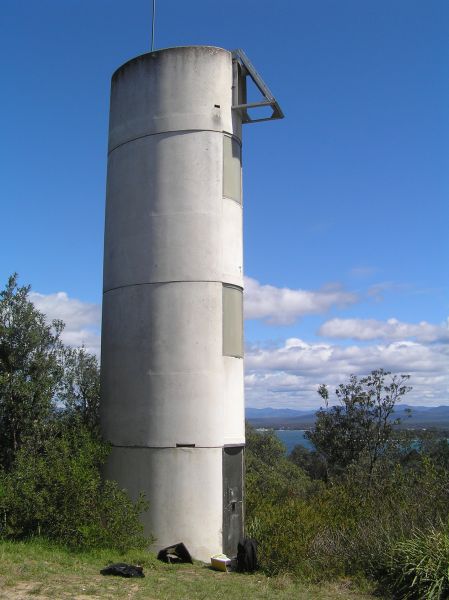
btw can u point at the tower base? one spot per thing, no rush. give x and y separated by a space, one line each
195 494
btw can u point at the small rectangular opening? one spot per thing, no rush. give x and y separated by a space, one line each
185 445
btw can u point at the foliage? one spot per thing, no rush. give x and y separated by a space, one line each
432 443
275 490
312 462
79 393
349 526
269 474
30 368
419 566
51 453
362 424
55 490
367 514
284 531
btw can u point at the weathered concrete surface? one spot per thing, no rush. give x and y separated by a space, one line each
172 239
184 489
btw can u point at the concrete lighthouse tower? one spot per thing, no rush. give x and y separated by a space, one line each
172 401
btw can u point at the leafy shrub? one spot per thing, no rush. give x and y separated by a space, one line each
284 531
312 462
277 515
348 527
50 452
366 516
55 490
269 474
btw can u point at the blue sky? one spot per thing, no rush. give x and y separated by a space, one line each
346 212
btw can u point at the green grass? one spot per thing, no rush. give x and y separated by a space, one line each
42 571
419 566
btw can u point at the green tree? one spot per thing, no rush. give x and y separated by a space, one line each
30 368
80 387
310 461
51 452
362 425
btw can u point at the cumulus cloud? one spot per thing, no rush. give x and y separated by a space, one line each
283 306
82 319
289 374
392 329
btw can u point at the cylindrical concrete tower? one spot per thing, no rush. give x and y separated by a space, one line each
172 335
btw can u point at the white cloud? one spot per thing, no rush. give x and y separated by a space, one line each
283 306
290 374
82 319
392 329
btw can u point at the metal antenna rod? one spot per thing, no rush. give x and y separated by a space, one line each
152 27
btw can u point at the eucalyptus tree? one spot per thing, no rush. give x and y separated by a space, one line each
362 424
31 368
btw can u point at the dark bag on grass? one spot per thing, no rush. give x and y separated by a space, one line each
123 570
247 556
177 553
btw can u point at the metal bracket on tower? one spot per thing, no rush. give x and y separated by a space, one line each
243 68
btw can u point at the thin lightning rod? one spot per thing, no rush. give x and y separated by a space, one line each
152 26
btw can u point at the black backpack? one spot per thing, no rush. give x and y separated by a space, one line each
247 556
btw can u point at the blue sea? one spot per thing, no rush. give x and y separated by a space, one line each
293 437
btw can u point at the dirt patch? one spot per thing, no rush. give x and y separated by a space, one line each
34 590
24 591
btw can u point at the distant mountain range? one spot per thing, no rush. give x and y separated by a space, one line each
287 418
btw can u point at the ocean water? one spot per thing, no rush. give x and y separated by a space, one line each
293 437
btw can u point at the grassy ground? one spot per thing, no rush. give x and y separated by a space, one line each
41 571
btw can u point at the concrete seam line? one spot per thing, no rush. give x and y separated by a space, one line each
120 287
140 137
170 447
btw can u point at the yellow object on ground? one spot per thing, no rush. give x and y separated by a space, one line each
220 562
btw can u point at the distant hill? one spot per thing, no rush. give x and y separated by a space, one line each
273 412
280 418
287 418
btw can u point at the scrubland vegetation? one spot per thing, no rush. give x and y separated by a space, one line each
369 506
371 503
51 452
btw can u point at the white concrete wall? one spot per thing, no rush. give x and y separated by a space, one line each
166 219
184 488
177 89
165 380
171 241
